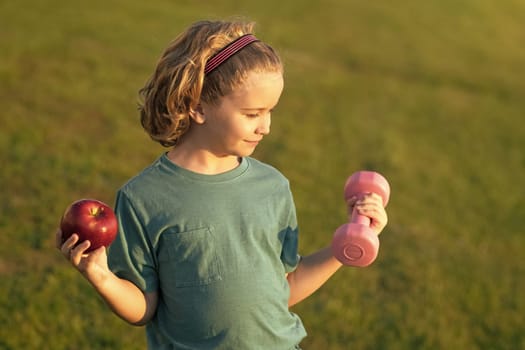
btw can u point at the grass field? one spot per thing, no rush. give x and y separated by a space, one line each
431 94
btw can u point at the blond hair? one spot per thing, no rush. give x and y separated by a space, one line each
178 83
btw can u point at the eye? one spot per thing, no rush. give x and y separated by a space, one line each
258 113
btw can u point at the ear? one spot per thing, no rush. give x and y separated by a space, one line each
197 114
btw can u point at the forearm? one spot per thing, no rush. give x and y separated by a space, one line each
311 273
126 300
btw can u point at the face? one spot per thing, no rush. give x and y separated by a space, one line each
236 125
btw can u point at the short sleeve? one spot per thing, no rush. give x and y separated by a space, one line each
289 254
131 256
290 239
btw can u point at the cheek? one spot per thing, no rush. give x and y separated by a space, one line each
227 133
239 128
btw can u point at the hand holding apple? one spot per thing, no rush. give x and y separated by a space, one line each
91 220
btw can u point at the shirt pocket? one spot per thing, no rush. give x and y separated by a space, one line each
189 258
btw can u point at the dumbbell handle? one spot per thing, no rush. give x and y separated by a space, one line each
357 218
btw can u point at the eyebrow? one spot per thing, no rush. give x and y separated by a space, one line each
257 108
254 109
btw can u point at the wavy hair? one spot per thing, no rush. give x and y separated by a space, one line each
178 83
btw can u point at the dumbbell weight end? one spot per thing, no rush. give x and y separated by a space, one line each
355 245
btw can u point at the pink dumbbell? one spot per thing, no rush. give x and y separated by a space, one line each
355 243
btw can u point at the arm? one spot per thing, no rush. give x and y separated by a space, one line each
123 297
127 301
315 269
311 273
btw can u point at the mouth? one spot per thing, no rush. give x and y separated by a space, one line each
254 143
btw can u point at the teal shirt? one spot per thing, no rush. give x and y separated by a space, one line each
216 248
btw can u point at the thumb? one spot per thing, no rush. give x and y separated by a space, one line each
98 253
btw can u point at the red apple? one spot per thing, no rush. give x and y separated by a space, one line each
91 220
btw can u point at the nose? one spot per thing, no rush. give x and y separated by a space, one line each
264 125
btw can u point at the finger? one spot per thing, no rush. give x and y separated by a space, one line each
58 238
368 207
97 252
350 203
68 244
371 198
77 252
374 211
377 226
379 222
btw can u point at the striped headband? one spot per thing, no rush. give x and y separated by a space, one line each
228 51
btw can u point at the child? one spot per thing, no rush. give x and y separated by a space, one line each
206 255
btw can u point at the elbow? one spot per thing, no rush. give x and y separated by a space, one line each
149 313
139 323
151 309
148 316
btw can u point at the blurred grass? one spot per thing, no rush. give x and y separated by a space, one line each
430 94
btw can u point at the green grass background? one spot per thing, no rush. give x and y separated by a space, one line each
431 94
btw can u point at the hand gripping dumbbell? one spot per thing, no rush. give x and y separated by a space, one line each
355 243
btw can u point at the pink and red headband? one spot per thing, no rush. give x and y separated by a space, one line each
228 51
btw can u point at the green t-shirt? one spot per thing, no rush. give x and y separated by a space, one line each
216 248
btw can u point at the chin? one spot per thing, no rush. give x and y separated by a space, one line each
246 152
240 155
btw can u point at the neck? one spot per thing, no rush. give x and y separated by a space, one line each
202 161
